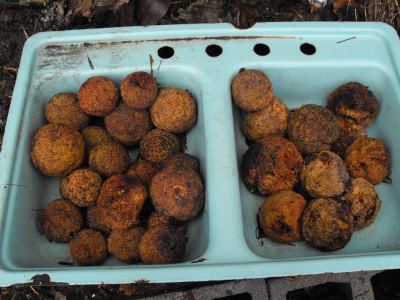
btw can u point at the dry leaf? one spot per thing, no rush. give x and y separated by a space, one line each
95 9
194 9
26 35
84 8
127 289
127 13
244 16
151 64
340 3
118 4
150 12
59 296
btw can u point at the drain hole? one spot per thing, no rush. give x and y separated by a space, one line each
329 290
261 49
244 296
308 49
214 50
386 284
166 52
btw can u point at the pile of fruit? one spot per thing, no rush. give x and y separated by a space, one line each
137 211
316 166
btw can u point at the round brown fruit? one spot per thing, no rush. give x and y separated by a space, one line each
88 248
270 165
57 150
324 174
124 195
313 128
354 100
94 135
64 109
157 145
252 90
280 216
363 201
162 244
367 158
174 110
177 193
81 187
124 244
183 160
327 224
128 126
61 219
98 96
272 119
109 158
139 90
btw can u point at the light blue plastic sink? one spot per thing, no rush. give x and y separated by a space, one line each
222 239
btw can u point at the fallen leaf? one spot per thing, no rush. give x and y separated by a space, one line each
211 11
189 14
340 3
127 289
150 12
127 13
118 4
84 8
244 16
104 3
59 296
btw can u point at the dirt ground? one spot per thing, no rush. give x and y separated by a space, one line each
19 21
99 292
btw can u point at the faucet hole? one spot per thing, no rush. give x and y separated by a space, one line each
308 49
261 49
214 50
166 52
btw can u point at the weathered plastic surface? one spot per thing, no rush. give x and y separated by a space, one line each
222 240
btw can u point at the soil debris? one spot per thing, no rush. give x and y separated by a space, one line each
150 12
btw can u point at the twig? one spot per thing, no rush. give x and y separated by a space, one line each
355 12
398 7
35 27
26 35
90 62
300 16
347 11
34 290
12 69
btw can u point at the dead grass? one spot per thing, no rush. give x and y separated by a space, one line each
387 11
